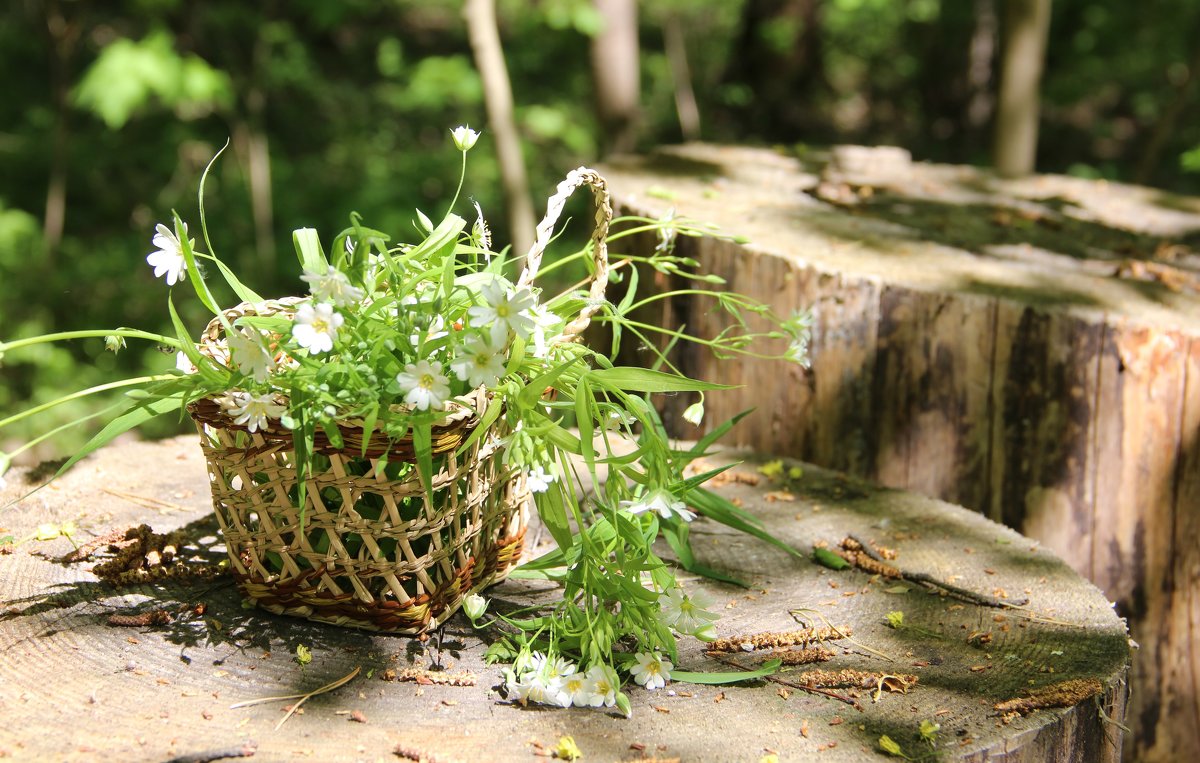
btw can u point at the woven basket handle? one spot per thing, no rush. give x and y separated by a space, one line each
554 207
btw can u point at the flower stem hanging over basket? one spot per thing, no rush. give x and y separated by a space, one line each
376 448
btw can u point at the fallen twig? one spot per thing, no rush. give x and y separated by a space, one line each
301 697
856 550
247 750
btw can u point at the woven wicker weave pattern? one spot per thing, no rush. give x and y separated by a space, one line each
376 550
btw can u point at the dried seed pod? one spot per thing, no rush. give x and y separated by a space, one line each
1063 694
775 640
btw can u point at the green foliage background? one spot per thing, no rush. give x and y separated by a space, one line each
122 103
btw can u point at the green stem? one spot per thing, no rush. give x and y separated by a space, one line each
43 437
461 177
674 293
64 335
84 393
626 323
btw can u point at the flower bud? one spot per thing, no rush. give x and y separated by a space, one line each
706 632
694 413
464 137
474 606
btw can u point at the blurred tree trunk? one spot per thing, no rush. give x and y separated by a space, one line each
981 65
616 75
498 99
63 36
1026 28
685 95
783 78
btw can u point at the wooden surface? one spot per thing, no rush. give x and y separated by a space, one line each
1024 348
78 688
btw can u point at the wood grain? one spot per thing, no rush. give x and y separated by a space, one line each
78 688
1025 348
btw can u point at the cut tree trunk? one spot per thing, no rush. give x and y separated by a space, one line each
1029 349
155 672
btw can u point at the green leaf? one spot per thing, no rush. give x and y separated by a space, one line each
677 538
645 380
768 668
494 408
717 508
827 558
141 412
441 241
679 488
537 387
194 277
553 511
422 434
202 363
705 442
309 251
583 420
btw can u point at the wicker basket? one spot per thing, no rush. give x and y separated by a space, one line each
375 550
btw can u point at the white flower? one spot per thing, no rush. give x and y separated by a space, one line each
315 327
478 362
251 355
651 671
464 137
253 410
551 669
532 688
537 678
601 687
662 503
797 352
686 614
333 287
543 319
538 479
504 310
576 687
481 235
694 413
168 259
423 385
184 364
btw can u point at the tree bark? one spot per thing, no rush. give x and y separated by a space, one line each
497 94
616 74
1026 28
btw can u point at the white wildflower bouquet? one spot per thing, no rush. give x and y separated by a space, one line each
405 367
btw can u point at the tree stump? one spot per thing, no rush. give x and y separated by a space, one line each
92 672
1026 348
